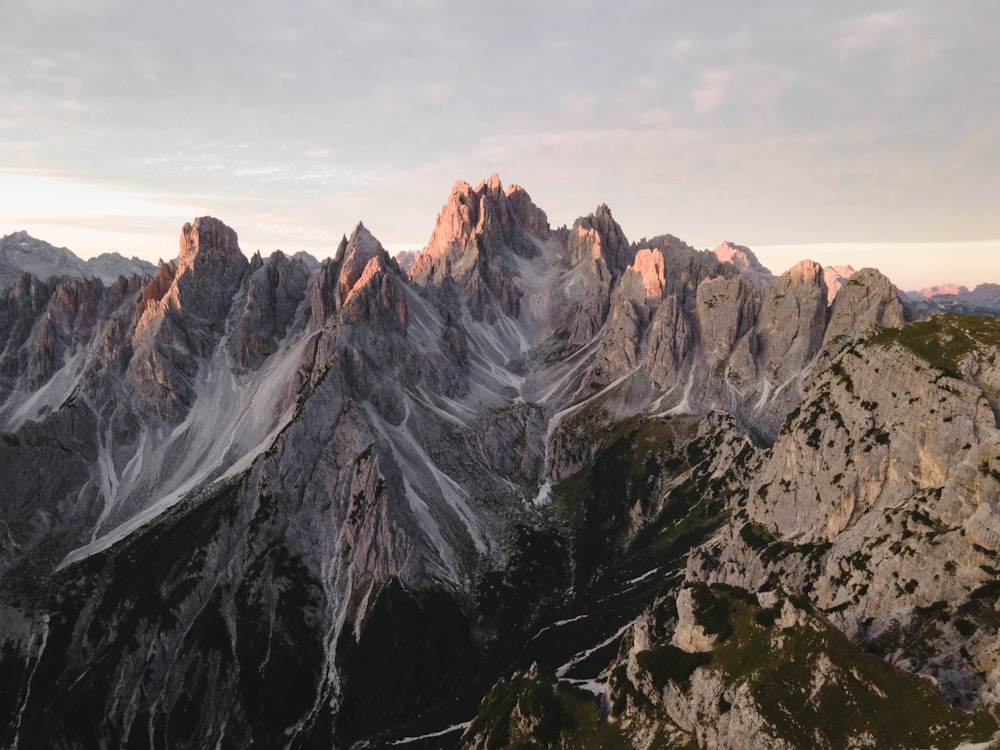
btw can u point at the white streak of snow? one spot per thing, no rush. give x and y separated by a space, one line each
31 676
450 730
598 688
561 672
643 577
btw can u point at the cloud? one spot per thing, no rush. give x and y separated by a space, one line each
781 121
903 36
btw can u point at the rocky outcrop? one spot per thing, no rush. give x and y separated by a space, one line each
726 696
275 289
182 316
791 322
744 260
836 277
865 300
598 252
877 499
477 237
726 310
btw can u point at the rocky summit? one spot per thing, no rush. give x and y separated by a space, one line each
545 487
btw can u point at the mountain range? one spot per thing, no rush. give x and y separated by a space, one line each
546 487
21 253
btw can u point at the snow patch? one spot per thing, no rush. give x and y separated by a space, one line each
643 577
598 688
765 394
442 733
561 671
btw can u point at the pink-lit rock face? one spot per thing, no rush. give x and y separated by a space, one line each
181 316
209 264
649 265
599 237
836 277
361 249
745 261
939 290
207 242
477 237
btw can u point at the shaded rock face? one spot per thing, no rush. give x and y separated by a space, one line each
209 269
791 321
534 445
275 289
181 317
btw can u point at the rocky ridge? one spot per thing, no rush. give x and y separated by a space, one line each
983 299
21 253
266 466
746 263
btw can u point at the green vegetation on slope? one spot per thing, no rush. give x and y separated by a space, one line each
812 686
944 340
533 710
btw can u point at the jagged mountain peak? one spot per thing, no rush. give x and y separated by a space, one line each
474 211
355 257
599 237
492 185
208 242
202 281
743 258
865 299
363 242
478 237
373 493
22 253
836 277
806 272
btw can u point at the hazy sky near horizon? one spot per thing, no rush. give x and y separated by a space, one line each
867 131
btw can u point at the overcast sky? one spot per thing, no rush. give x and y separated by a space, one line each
822 126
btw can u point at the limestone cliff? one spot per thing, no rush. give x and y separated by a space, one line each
547 486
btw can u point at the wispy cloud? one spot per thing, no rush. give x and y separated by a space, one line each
774 122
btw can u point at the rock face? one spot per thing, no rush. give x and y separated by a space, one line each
836 277
284 503
478 235
745 262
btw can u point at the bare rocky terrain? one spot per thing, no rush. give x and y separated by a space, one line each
545 487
